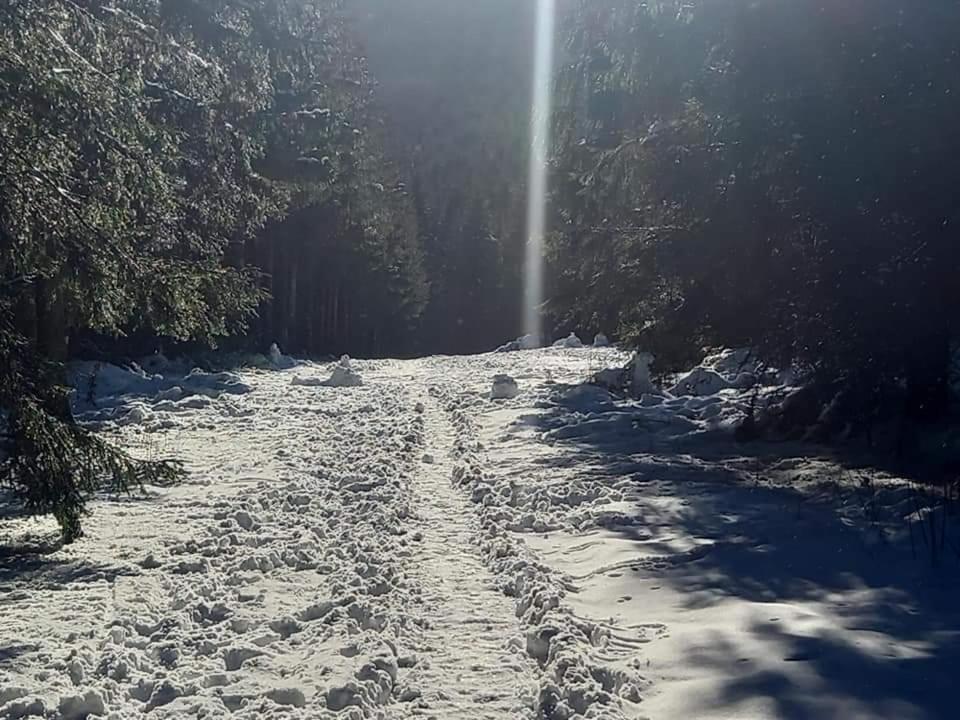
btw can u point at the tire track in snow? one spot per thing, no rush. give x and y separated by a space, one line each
473 662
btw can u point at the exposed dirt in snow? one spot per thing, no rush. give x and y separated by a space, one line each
410 547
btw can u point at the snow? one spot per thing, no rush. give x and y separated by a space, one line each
640 381
416 547
278 360
700 382
525 342
570 341
344 375
504 388
600 341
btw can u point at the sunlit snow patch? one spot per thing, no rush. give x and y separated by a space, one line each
526 342
344 375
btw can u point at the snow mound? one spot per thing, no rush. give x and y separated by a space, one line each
344 375
731 362
526 342
700 382
600 341
278 360
640 381
504 388
611 378
570 341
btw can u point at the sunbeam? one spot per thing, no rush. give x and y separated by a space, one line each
540 110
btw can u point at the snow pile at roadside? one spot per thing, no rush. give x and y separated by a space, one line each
717 394
278 360
688 575
107 395
570 341
525 342
342 375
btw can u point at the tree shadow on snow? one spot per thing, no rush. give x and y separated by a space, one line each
891 642
37 572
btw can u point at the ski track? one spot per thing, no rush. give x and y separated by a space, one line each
477 667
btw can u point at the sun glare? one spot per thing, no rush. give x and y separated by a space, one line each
537 182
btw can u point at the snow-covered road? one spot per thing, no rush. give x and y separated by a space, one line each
410 548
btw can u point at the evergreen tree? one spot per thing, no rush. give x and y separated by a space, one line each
765 174
146 147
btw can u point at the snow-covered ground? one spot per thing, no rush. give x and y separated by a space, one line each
407 546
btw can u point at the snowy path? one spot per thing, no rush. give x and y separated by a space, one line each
412 549
474 665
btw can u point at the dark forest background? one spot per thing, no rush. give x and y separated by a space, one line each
349 176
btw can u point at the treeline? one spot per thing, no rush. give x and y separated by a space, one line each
166 167
453 85
778 174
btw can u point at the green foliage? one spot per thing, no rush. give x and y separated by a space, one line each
767 174
149 150
50 463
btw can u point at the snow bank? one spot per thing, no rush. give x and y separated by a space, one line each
699 382
570 341
526 342
635 376
342 375
109 394
640 381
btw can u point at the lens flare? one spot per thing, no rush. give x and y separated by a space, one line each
537 180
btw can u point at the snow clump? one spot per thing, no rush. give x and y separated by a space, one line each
700 382
601 341
504 388
278 360
640 381
344 375
526 342
570 341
